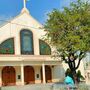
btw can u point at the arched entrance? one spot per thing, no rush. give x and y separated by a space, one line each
29 75
48 74
8 76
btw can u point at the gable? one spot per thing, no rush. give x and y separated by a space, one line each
22 21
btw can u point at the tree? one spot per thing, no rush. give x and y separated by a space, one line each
69 32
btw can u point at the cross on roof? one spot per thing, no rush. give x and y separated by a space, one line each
24 3
24 7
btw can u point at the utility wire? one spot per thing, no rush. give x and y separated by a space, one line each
20 24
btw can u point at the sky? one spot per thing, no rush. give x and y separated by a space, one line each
37 8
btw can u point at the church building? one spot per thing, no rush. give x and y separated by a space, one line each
25 58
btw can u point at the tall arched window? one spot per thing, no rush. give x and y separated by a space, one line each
7 47
26 42
44 48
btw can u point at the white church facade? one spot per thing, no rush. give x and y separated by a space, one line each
25 58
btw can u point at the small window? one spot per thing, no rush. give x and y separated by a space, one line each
44 48
37 75
7 47
19 76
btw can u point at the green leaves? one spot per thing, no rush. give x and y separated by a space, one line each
69 32
70 29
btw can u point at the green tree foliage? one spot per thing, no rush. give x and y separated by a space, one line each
69 32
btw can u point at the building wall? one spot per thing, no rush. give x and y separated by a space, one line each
58 73
12 29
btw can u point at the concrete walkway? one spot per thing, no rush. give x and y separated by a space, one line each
29 87
49 86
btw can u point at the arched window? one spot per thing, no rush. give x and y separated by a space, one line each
26 42
7 47
44 48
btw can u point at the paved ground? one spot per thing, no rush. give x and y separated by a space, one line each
49 86
30 87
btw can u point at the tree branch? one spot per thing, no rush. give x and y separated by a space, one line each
81 55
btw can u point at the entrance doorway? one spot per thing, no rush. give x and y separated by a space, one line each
8 76
29 75
48 74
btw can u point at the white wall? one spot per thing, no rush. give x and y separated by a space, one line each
58 73
23 21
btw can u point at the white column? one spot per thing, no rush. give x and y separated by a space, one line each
43 72
22 74
0 77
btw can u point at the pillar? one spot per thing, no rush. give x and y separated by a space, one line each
43 73
22 74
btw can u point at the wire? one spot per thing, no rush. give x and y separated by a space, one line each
21 24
